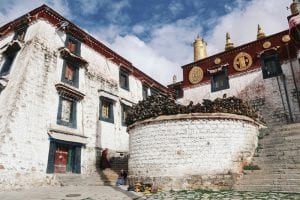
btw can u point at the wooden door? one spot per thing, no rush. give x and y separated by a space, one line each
61 159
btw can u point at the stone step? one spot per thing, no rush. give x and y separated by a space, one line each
280 140
267 152
277 158
268 188
275 171
289 127
250 174
269 181
80 180
276 166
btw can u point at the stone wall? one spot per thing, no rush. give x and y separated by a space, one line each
188 151
267 95
29 106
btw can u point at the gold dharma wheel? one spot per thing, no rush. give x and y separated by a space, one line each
195 75
242 61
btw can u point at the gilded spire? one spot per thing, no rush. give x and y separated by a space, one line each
260 33
229 44
199 48
294 8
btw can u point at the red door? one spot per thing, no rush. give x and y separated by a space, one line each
61 160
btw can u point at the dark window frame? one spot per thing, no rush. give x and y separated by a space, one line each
75 81
125 74
110 103
124 108
154 91
20 33
77 43
73 118
270 60
8 63
145 92
217 75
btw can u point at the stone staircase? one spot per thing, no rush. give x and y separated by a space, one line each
79 180
278 157
101 177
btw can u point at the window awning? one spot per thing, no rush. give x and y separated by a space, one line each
108 95
69 137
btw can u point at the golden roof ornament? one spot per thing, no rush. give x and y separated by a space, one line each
229 44
294 8
260 33
199 48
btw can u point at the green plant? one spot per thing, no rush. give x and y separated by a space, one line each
251 167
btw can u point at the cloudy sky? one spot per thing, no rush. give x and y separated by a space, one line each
157 35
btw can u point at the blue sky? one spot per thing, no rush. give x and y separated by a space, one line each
156 35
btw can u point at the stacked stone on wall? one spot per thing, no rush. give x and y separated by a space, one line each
189 151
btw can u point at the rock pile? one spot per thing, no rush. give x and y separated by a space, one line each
157 105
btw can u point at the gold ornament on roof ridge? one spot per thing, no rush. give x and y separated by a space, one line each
242 61
286 38
195 75
229 44
217 61
267 44
260 33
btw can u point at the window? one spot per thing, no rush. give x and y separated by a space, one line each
124 79
67 112
8 61
106 110
219 81
20 33
73 45
270 64
124 110
178 92
70 74
154 91
145 92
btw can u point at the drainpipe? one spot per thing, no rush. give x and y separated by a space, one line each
282 101
293 74
287 97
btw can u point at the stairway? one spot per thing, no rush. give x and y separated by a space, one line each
79 180
278 157
110 175
101 177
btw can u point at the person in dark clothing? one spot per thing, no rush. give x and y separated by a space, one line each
104 163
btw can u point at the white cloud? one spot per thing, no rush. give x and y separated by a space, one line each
138 29
175 7
146 58
169 46
242 22
89 6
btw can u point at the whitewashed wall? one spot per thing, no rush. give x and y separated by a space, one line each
268 95
170 150
29 105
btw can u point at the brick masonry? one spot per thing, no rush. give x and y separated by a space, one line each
29 106
191 152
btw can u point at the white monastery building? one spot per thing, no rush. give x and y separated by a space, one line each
63 98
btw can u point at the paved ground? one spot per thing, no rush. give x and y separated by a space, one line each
120 193
71 193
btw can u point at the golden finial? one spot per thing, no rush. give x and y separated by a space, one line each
294 8
260 33
229 44
199 48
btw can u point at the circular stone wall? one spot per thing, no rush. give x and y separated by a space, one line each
188 151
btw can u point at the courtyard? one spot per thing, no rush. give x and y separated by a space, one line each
120 193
